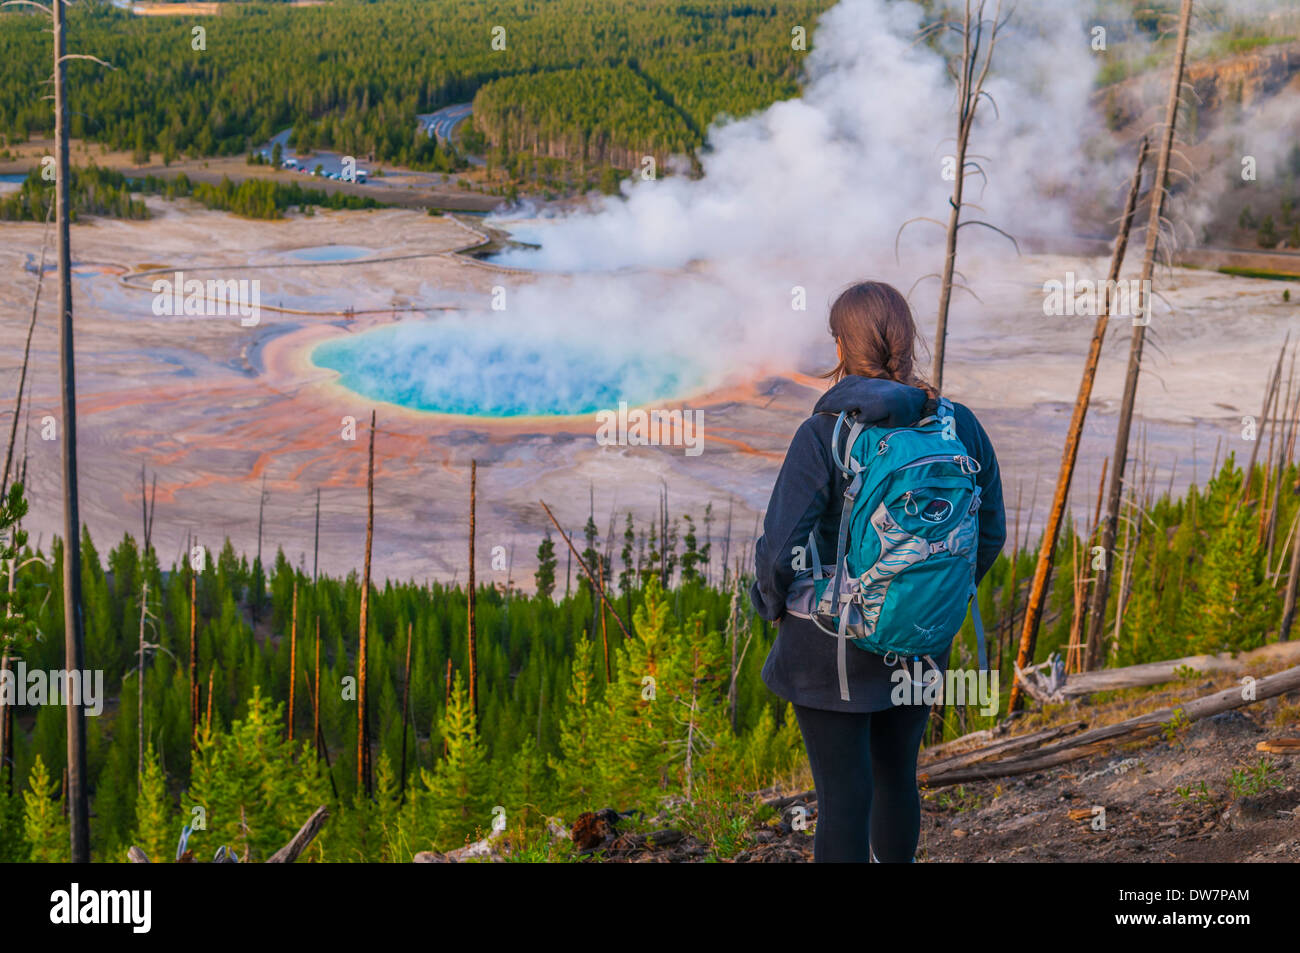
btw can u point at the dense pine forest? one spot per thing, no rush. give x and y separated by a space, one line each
604 79
571 714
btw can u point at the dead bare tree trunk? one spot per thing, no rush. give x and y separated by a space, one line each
315 692
363 719
726 546
293 655
472 627
406 705
1070 454
315 546
139 694
604 629
144 515
733 632
74 627
1013 587
663 539
260 574
6 716
1292 579
969 74
313 688
194 656
1269 389
595 585
690 726
1101 590
1280 425
446 700
322 749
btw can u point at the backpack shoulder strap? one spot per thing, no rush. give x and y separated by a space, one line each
848 466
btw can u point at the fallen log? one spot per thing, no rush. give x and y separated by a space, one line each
488 848
777 803
299 842
965 742
485 849
1045 684
1131 729
970 742
1280 746
1000 749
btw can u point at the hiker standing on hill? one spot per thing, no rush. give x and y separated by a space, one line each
922 523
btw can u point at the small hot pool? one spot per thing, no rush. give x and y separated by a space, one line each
330 253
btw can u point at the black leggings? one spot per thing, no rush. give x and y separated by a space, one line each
864 767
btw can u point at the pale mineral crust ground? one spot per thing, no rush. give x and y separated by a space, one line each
213 408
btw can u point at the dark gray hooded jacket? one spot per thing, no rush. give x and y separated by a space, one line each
808 495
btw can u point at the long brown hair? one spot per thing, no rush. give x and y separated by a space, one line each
872 323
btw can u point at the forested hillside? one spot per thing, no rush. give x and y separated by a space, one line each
613 77
572 716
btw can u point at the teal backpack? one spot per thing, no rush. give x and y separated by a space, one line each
904 570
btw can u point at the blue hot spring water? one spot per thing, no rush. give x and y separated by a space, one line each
330 253
451 367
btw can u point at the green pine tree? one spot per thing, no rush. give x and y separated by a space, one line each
690 555
1267 235
156 829
45 827
546 562
527 786
16 630
589 554
13 835
627 578
455 803
660 670
580 768
1233 604
386 816
255 787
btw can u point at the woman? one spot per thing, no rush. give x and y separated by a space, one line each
862 751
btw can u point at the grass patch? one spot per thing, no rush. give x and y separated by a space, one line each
1258 273
1256 779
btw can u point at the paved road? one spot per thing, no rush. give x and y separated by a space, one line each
404 189
444 122
441 123
331 163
